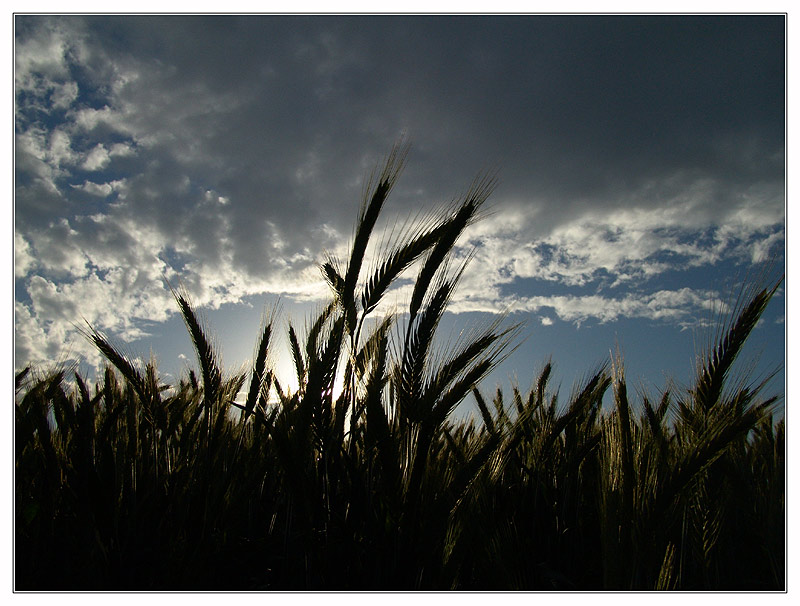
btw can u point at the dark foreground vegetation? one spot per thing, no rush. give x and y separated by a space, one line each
235 483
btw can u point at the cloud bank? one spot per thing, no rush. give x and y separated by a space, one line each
229 154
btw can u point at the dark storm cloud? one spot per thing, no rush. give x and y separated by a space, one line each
574 108
239 144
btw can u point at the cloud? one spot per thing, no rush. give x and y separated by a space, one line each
59 249
97 158
36 342
629 246
101 189
230 153
24 260
41 59
676 305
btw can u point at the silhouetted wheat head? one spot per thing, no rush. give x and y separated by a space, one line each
361 477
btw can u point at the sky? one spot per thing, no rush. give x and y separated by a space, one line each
640 164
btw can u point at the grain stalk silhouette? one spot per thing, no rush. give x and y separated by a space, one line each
134 484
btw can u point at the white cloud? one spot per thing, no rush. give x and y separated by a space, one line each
96 189
628 245
60 150
97 159
24 260
47 328
89 118
51 302
59 249
64 95
43 342
673 305
41 55
762 249
121 150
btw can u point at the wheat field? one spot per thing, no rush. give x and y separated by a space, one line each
360 479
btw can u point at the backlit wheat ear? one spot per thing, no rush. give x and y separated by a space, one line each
315 330
120 361
297 357
259 370
206 356
376 351
718 363
462 369
209 369
372 347
488 421
449 232
366 223
334 278
394 264
419 338
19 378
